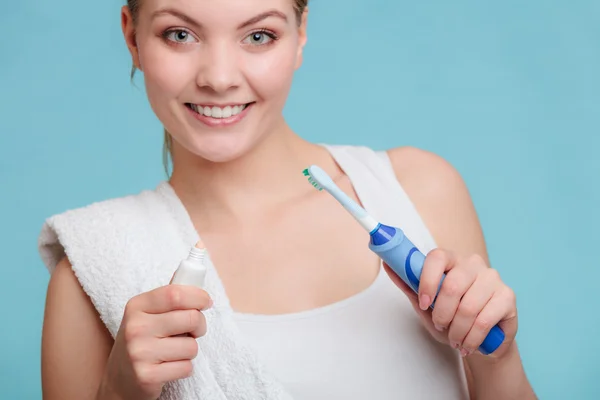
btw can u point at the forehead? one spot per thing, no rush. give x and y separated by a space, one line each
218 12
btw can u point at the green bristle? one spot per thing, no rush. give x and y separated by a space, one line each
306 172
315 184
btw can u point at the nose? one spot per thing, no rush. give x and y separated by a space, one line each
219 68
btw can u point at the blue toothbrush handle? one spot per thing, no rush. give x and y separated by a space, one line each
403 257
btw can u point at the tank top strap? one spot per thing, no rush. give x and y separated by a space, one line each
381 194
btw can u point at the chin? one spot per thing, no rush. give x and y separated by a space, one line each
219 144
222 148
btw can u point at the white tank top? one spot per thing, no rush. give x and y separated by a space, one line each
371 345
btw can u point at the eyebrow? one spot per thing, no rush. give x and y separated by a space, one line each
254 20
263 16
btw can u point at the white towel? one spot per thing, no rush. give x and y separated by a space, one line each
122 247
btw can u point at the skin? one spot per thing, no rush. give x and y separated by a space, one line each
225 177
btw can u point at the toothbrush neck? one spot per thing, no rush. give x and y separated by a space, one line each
360 214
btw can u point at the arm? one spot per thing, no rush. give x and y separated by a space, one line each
443 201
155 343
75 342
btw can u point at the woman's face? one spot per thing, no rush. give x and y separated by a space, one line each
217 72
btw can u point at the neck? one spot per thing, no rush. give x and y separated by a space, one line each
268 176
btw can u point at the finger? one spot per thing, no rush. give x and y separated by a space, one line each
171 371
455 285
501 310
469 307
436 263
155 351
176 349
179 322
173 297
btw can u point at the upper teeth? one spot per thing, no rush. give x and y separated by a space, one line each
218 112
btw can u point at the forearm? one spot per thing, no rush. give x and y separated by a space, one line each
106 393
502 379
107 389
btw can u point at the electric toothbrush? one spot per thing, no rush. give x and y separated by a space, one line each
392 246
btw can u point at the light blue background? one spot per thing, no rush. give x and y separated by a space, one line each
506 91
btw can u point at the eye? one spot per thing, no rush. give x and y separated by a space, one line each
260 38
179 36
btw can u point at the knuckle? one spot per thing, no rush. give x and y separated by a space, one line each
174 296
134 330
476 260
468 309
510 294
131 306
136 352
492 274
146 376
452 286
438 256
438 321
510 297
440 317
482 324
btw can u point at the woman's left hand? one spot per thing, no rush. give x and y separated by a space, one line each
472 299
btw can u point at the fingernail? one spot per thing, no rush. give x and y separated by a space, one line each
424 303
439 327
464 352
454 345
209 305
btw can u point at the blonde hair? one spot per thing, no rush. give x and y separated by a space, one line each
134 8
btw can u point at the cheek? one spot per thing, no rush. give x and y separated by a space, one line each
166 72
270 74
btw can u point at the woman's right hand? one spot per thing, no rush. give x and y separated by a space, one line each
148 352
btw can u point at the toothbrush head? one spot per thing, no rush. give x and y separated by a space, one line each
318 178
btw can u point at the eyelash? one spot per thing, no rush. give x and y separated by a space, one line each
165 36
272 35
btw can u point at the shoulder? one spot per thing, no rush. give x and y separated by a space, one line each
92 227
441 197
427 175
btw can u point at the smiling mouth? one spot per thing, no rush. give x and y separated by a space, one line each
218 112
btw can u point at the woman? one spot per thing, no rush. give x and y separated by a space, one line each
217 76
